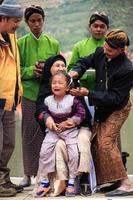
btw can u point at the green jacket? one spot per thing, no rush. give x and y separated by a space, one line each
81 49
31 50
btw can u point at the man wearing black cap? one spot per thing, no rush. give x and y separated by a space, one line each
114 79
10 90
34 48
98 26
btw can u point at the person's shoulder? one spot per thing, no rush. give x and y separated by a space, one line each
128 63
82 42
99 50
69 97
23 38
50 38
48 99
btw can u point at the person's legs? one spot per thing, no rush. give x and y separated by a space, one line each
84 144
46 163
7 142
88 179
73 168
61 160
105 150
70 138
61 173
32 138
47 159
73 159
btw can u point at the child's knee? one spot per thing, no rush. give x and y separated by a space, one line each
60 145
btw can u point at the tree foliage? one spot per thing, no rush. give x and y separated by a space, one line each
68 20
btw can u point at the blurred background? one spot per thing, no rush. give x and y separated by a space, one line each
67 21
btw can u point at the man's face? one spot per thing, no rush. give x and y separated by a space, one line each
35 23
10 25
111 52
98 29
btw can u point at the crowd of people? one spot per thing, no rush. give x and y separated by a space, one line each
71 122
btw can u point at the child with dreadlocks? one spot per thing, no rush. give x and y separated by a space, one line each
63 108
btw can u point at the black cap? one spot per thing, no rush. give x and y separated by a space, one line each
99 16
48 64
33 9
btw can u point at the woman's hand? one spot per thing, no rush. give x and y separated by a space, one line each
69 123
73 74
51 125
79 91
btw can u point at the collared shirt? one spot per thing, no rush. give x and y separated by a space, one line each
114 80
32 50
81 49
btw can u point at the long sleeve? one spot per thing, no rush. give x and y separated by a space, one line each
83 64
116 94
32 50
78 111
74 58
26 60
44 91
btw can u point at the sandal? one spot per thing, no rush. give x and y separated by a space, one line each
70 191
42 191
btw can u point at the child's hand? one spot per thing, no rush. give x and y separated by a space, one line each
50 124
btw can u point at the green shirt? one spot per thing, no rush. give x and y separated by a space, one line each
81 49
31 50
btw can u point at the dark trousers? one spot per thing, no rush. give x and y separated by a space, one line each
7 142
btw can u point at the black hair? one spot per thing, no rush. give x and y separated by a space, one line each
33 9
99 16
65 74
1 1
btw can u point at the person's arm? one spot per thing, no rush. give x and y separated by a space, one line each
48 119
44 91
82 65
115 95
74 58
78 115
27 71
79 111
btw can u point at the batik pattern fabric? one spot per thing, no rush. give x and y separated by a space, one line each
106 155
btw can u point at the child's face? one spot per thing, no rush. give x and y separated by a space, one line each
59 85
57 66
